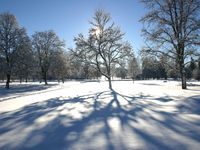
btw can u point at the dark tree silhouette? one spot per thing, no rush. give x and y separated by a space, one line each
172 28
10 37
46 44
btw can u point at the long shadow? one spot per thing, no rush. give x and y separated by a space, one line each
190 105
23 89
87 81
150 84
192 84
89 122
20 88
165 99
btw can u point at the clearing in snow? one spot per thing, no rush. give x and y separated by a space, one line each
144 115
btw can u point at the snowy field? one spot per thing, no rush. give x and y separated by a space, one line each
144 115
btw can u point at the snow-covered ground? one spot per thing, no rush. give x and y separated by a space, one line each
144 115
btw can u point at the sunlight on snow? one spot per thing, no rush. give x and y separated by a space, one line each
143 115
114 124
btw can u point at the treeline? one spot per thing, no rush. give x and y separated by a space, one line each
24 58
103 52
39 57
165 67
43 57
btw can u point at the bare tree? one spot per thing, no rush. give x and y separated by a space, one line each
133 67
172 28
104 46
60 66
9 41
24 57
46 43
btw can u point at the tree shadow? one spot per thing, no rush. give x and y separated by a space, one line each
164 99
20 90
151 84
105 120
193 84
191 105
88 81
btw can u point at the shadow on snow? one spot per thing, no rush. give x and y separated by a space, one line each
107 120
20 90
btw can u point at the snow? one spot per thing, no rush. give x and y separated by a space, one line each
144 115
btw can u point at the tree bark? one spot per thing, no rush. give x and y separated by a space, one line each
45 78
20 80
8 81
110 83
183 79
182 66
183 75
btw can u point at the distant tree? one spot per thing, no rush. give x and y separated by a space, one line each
86 69
133 67
104 46
161 71
24 57
166 64
46 44
192 65
171 67
148 68
59 67
94 73
9 41
188 72
172 28
191 69
196 72
76 67
173 73
121 71
153 68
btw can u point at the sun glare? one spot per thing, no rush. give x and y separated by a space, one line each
97 31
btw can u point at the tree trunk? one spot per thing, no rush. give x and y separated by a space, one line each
183 76
181 65
20 80
183 80
45 78
110 84
8 81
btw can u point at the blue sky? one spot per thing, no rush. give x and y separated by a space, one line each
70 17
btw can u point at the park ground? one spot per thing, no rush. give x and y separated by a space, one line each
87 115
